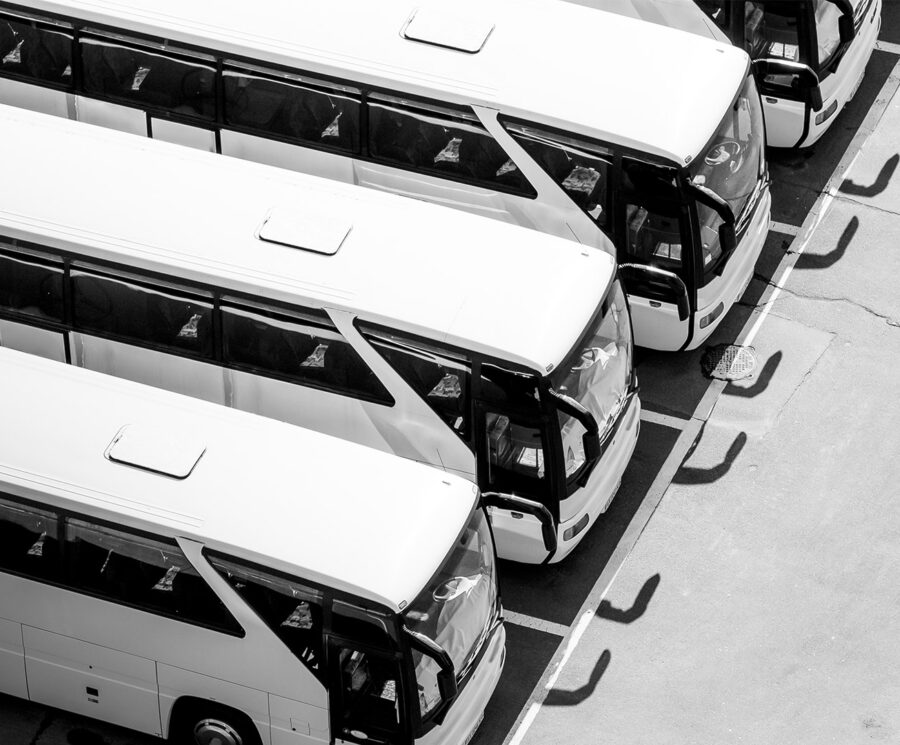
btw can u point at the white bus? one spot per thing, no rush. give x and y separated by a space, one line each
211 576
810 57
622 135
341 309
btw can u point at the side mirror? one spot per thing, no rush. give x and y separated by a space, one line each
728 242
645 280
846 28
805 80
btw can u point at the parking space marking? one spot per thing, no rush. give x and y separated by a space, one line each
654 417
783 227
530 622
888 46
694 426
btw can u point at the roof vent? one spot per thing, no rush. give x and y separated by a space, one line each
287 227
155 449
453 29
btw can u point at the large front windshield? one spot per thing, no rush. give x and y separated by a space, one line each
731 166
596 374
456 608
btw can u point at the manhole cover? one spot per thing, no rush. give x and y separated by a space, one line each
728 362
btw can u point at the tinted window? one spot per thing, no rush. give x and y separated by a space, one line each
155 317
580 167
440 380
291 110
150 78
30 287
150 574
292 610
29 542
442 142
304 352
652 215
36 52
516 444
369 702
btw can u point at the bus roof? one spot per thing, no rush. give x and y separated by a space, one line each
263 490
602 74
476 283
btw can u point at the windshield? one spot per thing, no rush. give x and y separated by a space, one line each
455 609
828 31
731 166
596 374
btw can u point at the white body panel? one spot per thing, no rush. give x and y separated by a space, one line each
182 134
27 96
114 116
92 680
42 342
12 660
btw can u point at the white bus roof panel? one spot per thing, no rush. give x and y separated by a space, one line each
337 513
601 74
477 283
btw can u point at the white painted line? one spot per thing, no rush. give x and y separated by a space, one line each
654 417
530 622
887 46
692 430
783 227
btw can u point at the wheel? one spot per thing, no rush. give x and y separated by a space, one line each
212 724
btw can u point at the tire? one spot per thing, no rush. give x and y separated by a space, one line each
208 723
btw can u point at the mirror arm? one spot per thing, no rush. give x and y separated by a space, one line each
684 309
591 437
528 507
430 648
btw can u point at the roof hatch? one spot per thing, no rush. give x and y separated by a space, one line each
156 449
454 29
287 227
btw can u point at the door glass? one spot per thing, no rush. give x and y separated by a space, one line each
652 216
515 443
369 690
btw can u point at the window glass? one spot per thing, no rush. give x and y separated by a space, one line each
516 445
31 287
310 354
580 167
150 574
440 380
652 215
29 541
828 32
717 10
370 701
154 317
292 110
36 52
291 609
442 142
150 78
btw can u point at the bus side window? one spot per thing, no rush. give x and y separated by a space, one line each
579 167
35 52
307 353
290 608
154 317
292 110
142 572
30 287
440 142
442 381
29 541
134 74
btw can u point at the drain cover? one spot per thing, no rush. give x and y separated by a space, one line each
728 362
